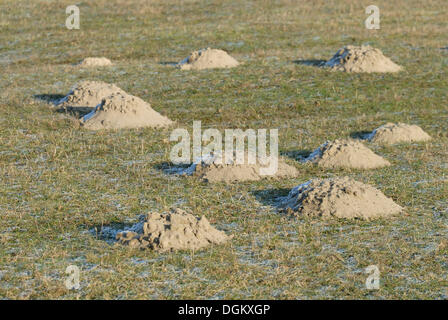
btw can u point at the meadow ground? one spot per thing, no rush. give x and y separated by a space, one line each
59 181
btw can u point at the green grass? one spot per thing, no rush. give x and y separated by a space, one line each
59 181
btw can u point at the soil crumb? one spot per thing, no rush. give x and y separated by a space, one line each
176 230
392 133
340 198
346 154
361 59
94 62
208 59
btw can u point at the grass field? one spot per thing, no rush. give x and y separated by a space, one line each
59 181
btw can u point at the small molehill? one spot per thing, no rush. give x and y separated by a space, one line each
209 169
361 59
346 154
94 62
86 95
208 59
340 198
391 133
121 110
177 230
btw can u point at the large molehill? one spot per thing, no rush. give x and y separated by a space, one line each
208 59
86 95
361 59
346 153
176 230
121 111
392 133
339 198
211 170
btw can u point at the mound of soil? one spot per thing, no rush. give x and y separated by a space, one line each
86 95
361 59
209 170
341 198
121 110
208 59
391 133
177 230
346 154
94 62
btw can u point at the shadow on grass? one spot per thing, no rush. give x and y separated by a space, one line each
312 62
169 63
77 112
360 135
49 97
55 99
271 197
171 169
108 232
297 155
